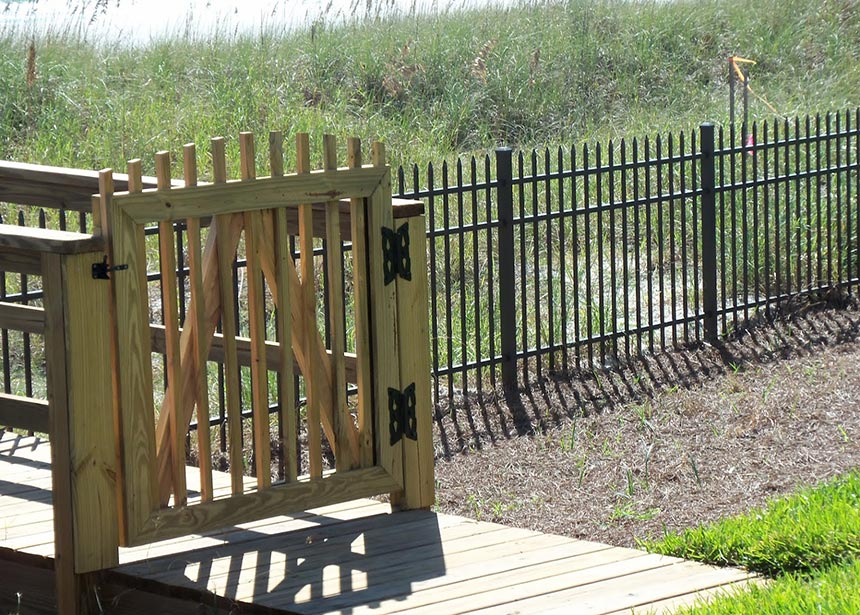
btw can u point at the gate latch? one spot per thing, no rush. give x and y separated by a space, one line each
101 270
395 254
402 421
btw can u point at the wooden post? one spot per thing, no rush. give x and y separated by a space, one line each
414 350
80 396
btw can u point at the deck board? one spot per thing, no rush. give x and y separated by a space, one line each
360 558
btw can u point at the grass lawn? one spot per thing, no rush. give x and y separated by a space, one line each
809 542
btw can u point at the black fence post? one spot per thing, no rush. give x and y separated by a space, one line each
507 296
709 232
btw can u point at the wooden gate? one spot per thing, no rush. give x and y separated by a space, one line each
368 408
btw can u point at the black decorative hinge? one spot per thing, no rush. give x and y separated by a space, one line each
101 270
401 414
395 254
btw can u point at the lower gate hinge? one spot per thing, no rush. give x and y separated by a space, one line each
402 420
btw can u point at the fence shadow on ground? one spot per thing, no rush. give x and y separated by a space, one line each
470 422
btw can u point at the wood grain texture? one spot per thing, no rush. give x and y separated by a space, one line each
256 325
341 418
363 376
27 318
29 239
198 308
413 337
383 305
93 453
173 363
132 364
23 413
14 260
279 499
286 383
238 196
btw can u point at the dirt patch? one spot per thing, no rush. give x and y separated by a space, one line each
668 442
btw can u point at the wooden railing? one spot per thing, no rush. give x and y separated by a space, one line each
78 411
256 219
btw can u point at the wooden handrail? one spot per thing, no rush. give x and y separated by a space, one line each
46 241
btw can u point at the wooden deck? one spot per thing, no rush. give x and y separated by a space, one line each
353 558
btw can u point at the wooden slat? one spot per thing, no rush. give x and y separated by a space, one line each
309 310
198 308
20 261
256 324
226 255
131 359
26 318
363 370
30 239
217 352
284 319
68 590
279 499
334 259
383 305
170 313
239 196
413 335
23 413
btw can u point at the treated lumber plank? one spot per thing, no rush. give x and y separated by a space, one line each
458 595
23 412
461 552
640 588
313 384
91 421
170 312
168 523
55 187
319 518
68 590
237 196
674 604
43 240
383 305
413 336
20 261
131 359
198 307
218 352
256 324
363 370
341 418
26 318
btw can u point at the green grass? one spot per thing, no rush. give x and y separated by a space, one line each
808 541
811 529
430 86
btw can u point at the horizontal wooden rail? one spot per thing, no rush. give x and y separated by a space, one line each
243 347
24 413
26 318
42 240
54 187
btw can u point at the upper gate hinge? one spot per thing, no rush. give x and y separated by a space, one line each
402 420
395 254
101 270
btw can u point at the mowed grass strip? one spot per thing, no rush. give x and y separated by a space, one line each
813 529
833 591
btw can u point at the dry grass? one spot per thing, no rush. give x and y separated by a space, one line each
667 443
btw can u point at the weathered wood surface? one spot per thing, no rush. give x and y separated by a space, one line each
357 557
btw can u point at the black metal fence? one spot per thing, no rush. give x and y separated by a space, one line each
581 258
585 257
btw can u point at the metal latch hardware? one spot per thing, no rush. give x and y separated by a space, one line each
101 270
395 252
402 421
